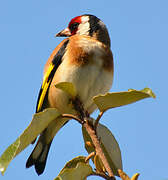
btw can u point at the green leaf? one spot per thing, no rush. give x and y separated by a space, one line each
109 145
76 169
67 87
39 122
99 165
117 99
8 155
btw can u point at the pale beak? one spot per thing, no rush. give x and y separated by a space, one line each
64 33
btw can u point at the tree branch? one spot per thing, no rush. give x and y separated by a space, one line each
72 117
84 119
97 120
90 156
92 133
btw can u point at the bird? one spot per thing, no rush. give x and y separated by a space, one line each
84 58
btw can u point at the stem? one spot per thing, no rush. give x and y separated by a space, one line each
91 130
92 133
97 120
89 156
72 117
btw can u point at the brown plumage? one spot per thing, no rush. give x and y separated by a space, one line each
84 59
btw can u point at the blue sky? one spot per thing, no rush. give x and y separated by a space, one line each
139 39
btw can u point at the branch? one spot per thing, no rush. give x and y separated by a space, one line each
97 120
84 119
89 156
92 133
70 116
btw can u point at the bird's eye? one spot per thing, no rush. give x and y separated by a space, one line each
73 26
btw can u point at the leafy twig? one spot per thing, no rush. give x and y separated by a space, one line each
85 119
92 133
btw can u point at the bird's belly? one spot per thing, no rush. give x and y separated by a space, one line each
89 81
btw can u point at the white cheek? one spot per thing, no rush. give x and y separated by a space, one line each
85 19
83 29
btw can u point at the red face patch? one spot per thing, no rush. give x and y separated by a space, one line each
75 20
73 25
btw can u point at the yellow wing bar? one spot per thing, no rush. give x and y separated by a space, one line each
44 87
48 76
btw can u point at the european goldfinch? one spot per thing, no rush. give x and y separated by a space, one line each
85 60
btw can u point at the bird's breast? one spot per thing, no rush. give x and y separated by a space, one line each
90 78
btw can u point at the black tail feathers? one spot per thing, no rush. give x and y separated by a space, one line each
39 156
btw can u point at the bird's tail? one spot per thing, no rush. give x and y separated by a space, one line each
38 157
39 154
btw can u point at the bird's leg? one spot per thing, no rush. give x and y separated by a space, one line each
78 106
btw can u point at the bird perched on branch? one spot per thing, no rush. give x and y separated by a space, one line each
84 59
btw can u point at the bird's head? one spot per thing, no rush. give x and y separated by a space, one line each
88 25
